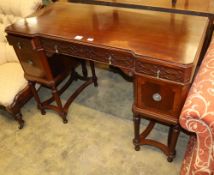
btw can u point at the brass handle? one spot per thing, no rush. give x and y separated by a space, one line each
109 60
130 74
19 45
56 49
30 62
158 74
156 97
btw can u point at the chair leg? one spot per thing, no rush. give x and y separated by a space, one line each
56 96
36 97
18 118
94 77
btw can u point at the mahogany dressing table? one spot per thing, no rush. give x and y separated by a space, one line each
159 50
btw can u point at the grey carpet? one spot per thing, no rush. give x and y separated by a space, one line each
97 139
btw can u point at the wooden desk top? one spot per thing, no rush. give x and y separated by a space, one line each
173 38
196 7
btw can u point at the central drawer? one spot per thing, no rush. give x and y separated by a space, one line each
111 56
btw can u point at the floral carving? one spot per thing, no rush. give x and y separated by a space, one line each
164 72
118 58
115 57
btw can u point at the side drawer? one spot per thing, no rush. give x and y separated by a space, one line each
167 72
108 56
21 43
159 97
29 57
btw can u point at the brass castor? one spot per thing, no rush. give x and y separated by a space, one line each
21 124
18 118
65 121
63 115
137 147
43 112
170 158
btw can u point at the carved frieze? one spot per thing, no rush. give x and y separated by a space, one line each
104 55
115 57
160 71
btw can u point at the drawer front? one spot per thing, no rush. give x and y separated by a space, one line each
28 57
107 56
159 97
163 72
21 43
31 63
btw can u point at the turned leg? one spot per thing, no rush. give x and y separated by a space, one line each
74 75
84 69
36 97
18 118
59 104
174 133
136 139
169 135
93 73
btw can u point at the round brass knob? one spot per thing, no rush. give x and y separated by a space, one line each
156 97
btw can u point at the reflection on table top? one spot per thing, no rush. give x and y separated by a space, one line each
196 7
169 37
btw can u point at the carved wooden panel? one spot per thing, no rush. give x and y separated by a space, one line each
29 58
162 98
105 55
162 72
22 43
156 97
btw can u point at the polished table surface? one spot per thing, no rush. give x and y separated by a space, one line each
189 7
168 37
160 50
197 7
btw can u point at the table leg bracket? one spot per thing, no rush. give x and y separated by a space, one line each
141 138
